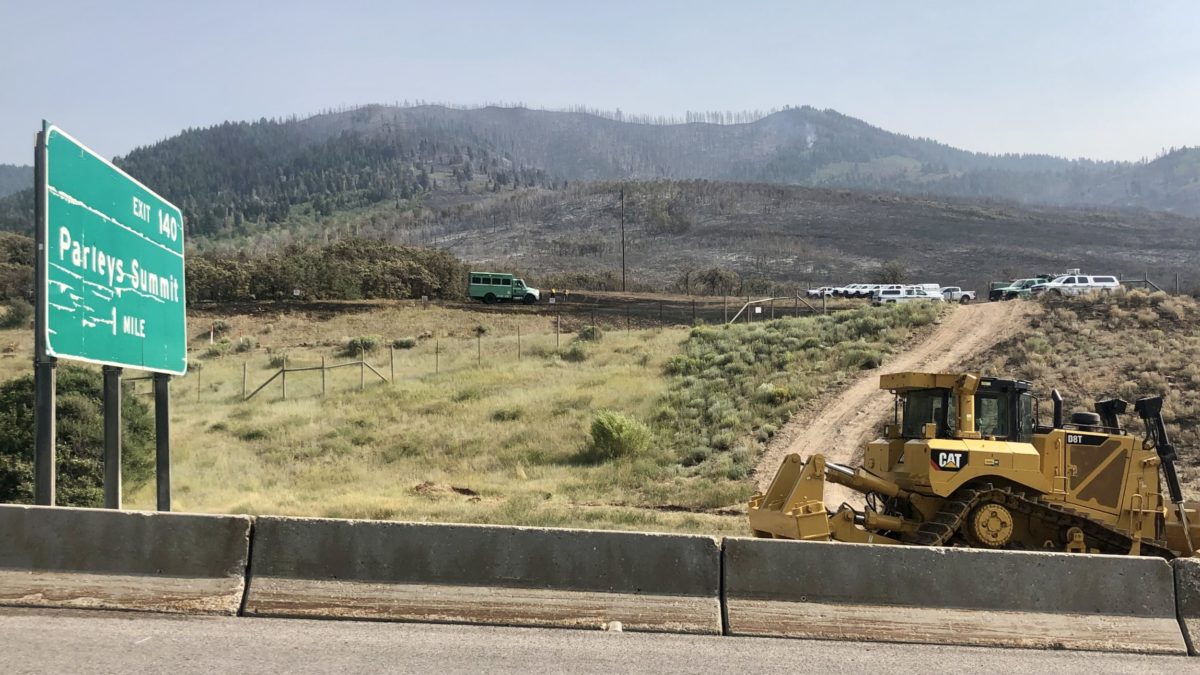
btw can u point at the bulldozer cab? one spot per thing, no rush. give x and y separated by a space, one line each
960 406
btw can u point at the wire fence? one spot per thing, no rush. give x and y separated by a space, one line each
291 373
609 312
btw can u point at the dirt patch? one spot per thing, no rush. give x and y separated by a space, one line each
840 425
431 489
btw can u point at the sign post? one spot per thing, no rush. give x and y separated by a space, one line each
162 439
44 373
112 437
110 289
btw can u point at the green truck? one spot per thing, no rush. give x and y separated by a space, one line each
493 287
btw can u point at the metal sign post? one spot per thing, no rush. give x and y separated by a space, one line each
162 439
110 291
112 437
44 373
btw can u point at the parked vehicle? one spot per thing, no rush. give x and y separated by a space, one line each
1018 288
956 294
848 291
491 287
1077 284
1021 288
889 296
996 290
822 292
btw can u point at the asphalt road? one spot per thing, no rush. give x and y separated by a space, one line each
68 641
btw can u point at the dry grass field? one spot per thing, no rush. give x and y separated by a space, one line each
473 431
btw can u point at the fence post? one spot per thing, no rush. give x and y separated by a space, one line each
392 364
626 316
797 305
748 312
725 306
437 355
772 308
1177 283
362 369
322 375
693 311
558 330
660 313
824 299
518 343
283 377
243 380
478 350
198 385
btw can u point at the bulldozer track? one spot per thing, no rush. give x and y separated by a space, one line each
942 529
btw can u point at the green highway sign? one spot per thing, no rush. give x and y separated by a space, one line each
112 269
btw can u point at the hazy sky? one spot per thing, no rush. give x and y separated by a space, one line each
1113 80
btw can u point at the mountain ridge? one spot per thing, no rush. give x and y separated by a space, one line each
238 176
795 146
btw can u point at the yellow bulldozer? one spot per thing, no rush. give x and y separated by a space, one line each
966 462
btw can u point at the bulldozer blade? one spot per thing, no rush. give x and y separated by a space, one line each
792 506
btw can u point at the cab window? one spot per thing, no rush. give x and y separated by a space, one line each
1025 418
991 411
476 280
921 407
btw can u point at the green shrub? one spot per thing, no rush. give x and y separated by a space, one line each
591 333
80 441
508 414
405 343
19 314
364 344
863 357
540 351
616 435
220 327
245 344
770 394
468 394
575 352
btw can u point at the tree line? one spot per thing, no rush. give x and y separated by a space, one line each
343 270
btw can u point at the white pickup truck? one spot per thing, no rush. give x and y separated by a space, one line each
956 294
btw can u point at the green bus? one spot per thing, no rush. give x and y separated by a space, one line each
493 287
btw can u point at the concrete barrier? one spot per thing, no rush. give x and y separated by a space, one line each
94 558
478 574
950 596
1187 600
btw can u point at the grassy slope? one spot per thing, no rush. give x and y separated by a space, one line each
501 442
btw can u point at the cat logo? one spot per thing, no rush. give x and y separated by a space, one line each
949 461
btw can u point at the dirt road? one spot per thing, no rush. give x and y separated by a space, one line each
840 426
